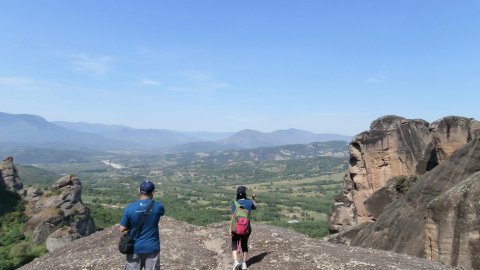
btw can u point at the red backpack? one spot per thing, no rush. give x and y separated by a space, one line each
241 220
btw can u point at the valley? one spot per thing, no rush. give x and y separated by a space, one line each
295 184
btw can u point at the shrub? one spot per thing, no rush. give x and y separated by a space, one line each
403 183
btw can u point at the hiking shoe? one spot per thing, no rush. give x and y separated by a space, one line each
236 265
244 266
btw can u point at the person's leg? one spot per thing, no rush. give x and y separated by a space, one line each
142 261
245 256
235 239
133 262
152 261
245 251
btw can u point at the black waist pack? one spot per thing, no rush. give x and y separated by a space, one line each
127 243
125 246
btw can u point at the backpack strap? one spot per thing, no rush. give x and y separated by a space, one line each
139 227
239 207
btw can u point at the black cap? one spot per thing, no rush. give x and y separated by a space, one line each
241 190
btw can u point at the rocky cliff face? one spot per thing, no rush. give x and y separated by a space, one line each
9 175
452 225
185 246
394 146
58 217
433 214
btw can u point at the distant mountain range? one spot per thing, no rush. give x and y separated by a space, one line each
35 131
158 137
249 138
140 137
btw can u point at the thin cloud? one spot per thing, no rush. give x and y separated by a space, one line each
15 81
195 76
149 82
96 66
218 85
26 82
197 82
152 53
377 79
20 88
199 88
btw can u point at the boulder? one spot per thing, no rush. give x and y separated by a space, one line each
58 215
60 238
9 175
32 193
45 222
58 212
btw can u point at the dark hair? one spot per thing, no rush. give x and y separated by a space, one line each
241 192
241 196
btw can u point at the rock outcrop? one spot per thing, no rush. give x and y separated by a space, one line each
186 246
58 216
452 225
9 176
394 146
55 217
433 214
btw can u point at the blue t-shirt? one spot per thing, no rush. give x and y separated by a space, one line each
148 241
246 203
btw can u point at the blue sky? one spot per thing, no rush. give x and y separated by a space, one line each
323 66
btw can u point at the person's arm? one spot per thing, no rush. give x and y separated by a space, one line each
121 228
162 210
254 206
123 225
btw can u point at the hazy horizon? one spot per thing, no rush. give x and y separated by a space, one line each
217 66
123 125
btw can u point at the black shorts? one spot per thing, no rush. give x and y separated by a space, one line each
243 239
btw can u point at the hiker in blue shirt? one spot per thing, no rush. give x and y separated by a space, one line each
247 205
147 243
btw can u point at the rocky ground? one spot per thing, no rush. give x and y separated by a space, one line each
185 246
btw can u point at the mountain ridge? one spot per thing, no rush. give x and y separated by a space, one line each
249 138
35 131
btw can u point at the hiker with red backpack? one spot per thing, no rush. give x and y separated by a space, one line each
240 227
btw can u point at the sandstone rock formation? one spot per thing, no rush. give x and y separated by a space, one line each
433 215
186 246
394 146
9 175
59 216
452 225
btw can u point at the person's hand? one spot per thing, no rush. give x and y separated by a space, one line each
254 196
